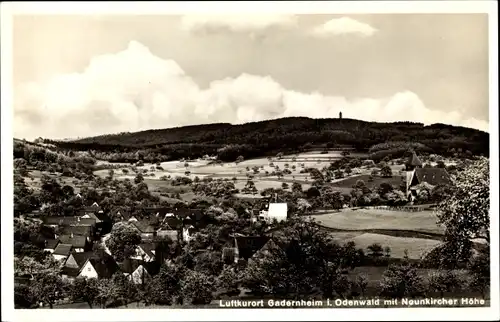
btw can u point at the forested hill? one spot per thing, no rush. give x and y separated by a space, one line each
282 135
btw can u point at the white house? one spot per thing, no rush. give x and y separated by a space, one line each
88 271
276 211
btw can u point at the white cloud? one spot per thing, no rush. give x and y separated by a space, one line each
342 26
237 23
134 90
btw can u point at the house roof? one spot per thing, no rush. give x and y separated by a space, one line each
129 265
171 222
63 249
77 241
90 215
51 243
77 230
248 246
278 210
148 248
433 176
81 258
189 214
144 226
104 265
59 221
414 160
117 212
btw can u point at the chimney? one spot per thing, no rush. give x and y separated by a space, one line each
71 234
78 218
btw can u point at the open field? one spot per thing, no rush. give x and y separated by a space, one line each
417 247
202 169
395 180
376 219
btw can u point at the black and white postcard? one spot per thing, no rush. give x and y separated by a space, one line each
249 161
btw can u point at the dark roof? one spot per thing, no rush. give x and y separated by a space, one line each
81 258
120 212
148 248
59 221
90 215
130 265
193 214
414 160
63 249
152 267
77 241
171 222
248 246
144 227
77 230
70 271
104 265
51 243
433 176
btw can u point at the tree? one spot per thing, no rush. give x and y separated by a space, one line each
400 281
362 283
47 287
209 263
228 281
297 188
139 178
376 250
443 281
345 153
387 251
197 288
284 185
123 241
279 155
386 171
480 271
348 170
85 289
466 212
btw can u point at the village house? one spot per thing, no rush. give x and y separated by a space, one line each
74 264
99 266
244 248
50 245
145 252
85 231
62 251
170 227
145 229
103 222
275 211
79 243
55 222
138 271
416 175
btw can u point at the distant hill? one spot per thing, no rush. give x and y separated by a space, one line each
282 135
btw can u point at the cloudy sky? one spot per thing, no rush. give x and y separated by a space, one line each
80 76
